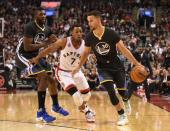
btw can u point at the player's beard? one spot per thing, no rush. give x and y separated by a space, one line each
41 22
91 28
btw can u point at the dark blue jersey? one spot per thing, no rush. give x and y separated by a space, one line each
105 49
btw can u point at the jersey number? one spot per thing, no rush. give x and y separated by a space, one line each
73 60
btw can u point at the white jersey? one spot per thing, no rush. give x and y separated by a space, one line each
70 56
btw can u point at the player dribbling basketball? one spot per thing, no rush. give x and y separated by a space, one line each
104 43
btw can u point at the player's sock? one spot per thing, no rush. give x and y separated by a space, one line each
41 99
55 99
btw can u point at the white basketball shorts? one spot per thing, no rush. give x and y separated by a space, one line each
68 81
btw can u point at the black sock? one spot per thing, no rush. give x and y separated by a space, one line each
55 99
41 99
121 112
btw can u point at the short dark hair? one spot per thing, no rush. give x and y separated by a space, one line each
36 10
73 26
95 13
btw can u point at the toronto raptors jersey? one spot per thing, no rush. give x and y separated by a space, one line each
70 56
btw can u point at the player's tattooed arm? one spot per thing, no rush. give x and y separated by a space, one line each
28 46
58 45
52 38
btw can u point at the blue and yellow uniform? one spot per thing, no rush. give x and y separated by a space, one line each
38 35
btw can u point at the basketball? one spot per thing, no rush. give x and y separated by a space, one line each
138 74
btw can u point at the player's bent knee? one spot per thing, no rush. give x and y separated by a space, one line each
111 92
77 98
108 86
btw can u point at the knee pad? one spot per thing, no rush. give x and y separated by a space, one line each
78 100
72 90
86 96
108 86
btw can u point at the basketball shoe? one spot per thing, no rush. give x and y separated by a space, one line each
89 114
60 110
42 115
122 120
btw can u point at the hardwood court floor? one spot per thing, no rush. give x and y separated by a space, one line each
18 111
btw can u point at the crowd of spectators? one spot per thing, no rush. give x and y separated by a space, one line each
116 14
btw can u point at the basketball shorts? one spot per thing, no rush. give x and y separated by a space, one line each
117 77
68 81
28 70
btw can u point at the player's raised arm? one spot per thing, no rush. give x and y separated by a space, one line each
59 44
126 53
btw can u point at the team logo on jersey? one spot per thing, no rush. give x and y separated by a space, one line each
39 37
73 54
102 48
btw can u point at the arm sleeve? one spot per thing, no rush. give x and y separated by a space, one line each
28 31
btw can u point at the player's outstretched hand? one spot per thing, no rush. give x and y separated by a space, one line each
52 38
34 60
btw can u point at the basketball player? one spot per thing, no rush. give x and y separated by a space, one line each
104 42
35 35
77 86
